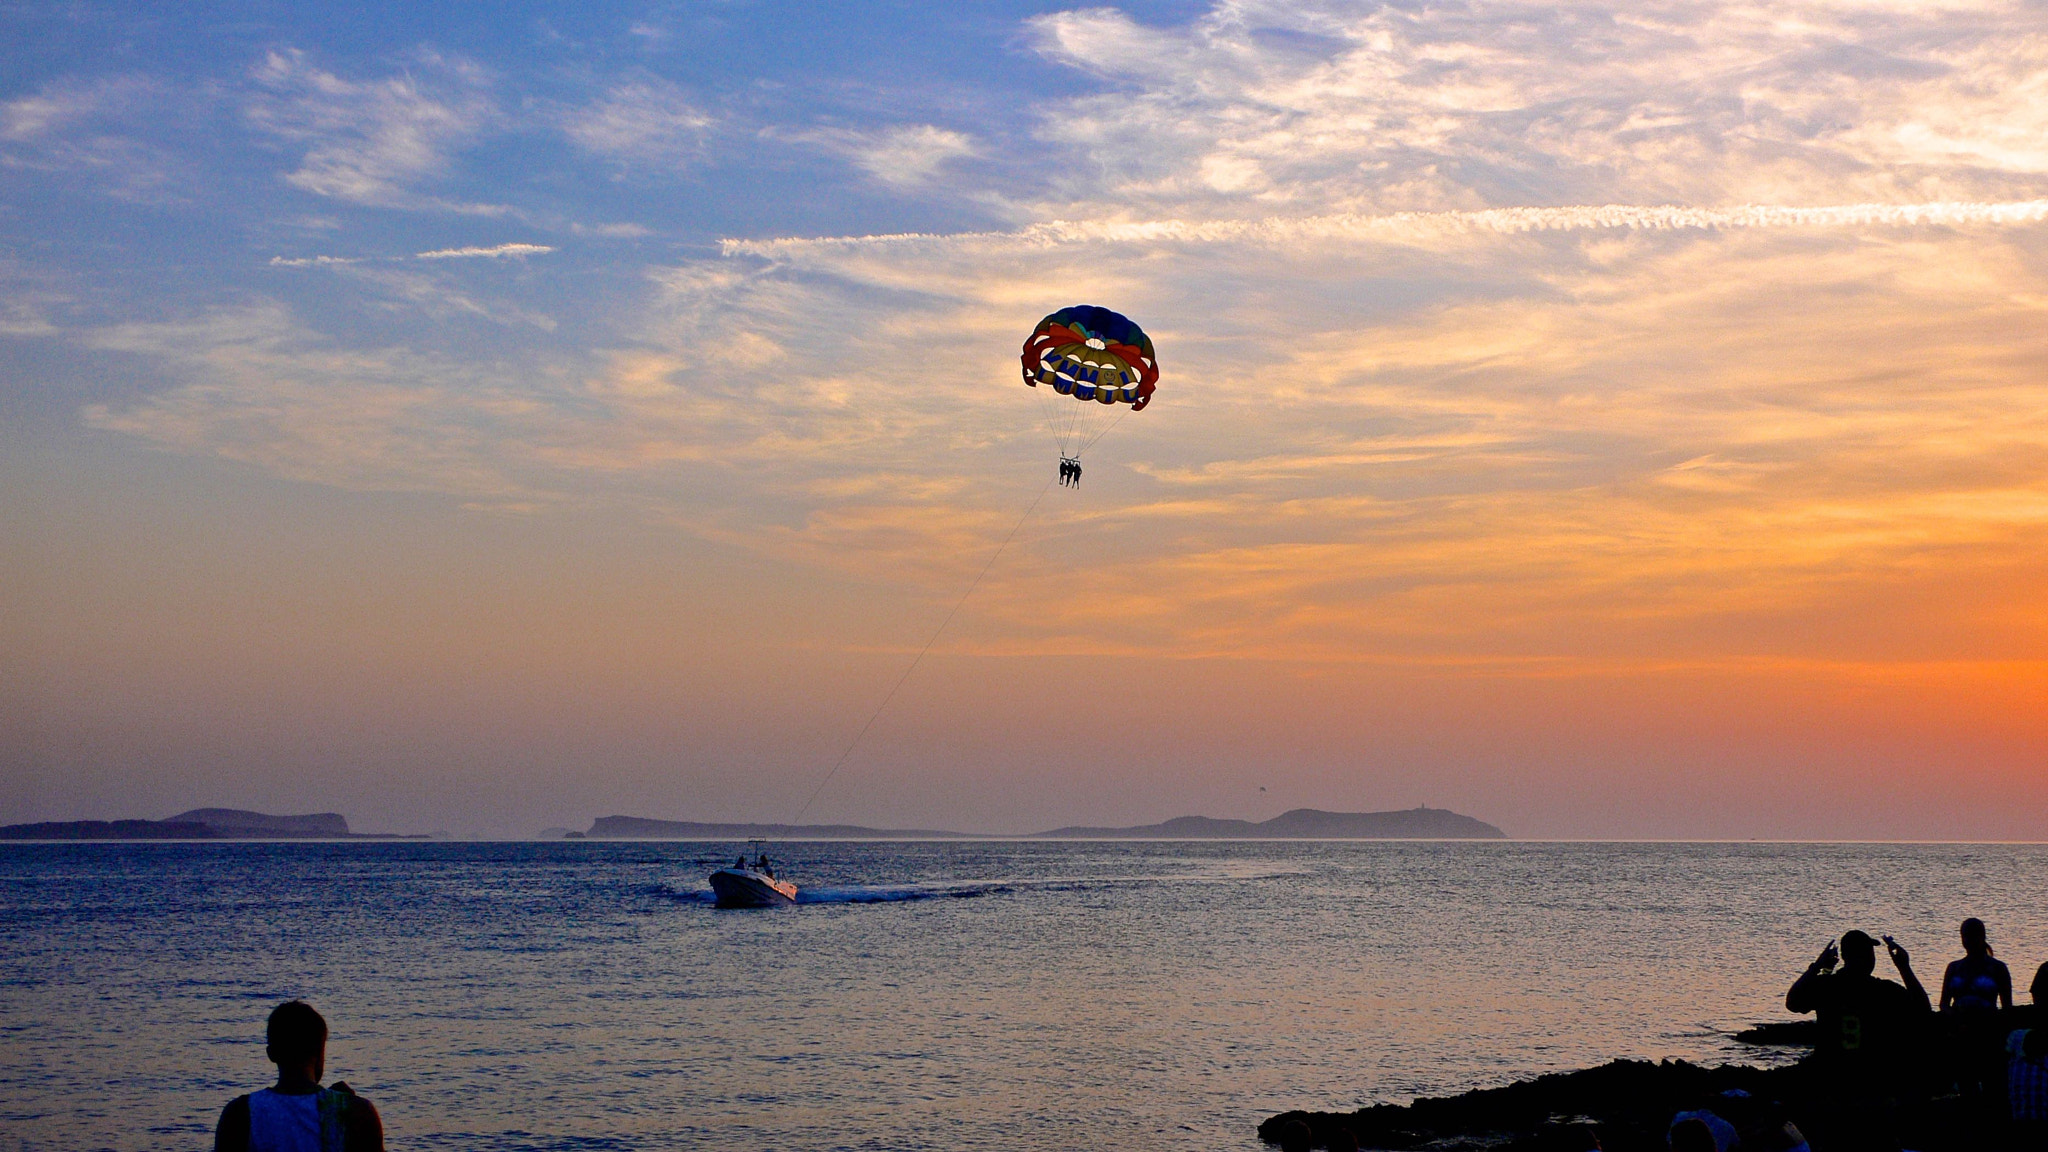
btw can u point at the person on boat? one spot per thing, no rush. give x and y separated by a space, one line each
297 1114
1864 1059
1972 991
741 863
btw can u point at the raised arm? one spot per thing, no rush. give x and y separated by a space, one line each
1801 996
1904 964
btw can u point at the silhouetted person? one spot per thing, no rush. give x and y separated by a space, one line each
741 863
2039 989
297 1114
1864 1056
1972 991
2027 1087
1760 1125
1979 982
1691 1133
1077 473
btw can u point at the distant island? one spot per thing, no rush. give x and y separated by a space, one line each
642 828
1300 824
200 824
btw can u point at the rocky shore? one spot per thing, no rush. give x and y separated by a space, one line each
1628 1103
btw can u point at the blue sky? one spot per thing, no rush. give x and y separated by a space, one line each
565 406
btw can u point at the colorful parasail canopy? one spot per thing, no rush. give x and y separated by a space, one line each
1092 353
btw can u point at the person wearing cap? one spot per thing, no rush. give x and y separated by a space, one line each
297 1114
1869 1030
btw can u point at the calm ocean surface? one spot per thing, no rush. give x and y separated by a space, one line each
929 996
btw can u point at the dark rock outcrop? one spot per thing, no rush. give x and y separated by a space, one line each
1631 1102
1781 1034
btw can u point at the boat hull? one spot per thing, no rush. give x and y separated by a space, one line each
746 888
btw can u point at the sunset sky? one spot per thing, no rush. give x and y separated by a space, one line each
1604 419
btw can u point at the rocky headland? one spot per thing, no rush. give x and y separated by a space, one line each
643 828
1300 824
200 824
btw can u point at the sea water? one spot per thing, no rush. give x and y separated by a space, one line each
932 995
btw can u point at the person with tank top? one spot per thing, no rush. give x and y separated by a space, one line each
1973 990
1979 982
297 1114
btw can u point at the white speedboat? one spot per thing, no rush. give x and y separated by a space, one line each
751 885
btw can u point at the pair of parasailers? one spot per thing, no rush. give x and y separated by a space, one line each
1070 472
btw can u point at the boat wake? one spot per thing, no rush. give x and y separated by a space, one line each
852 893
963 889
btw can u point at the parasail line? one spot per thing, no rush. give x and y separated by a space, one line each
919 658
1125 411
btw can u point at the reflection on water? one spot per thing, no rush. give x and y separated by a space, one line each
924 996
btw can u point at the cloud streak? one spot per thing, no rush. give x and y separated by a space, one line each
1421 227
491 252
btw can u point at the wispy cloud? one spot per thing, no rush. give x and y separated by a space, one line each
648 121
904 156
374 141
492 252
91 127
1371 108
437 296
1489 332
59 107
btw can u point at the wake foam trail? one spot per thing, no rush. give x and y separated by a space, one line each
971 889
679 895
897 893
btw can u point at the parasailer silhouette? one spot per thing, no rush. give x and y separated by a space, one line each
1092 360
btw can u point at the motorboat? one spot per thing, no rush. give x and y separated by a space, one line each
748 888
753 885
